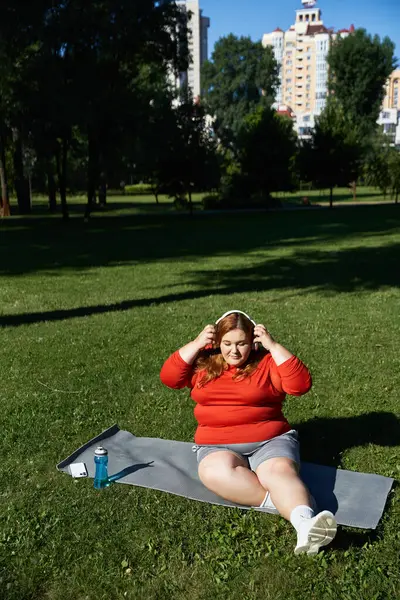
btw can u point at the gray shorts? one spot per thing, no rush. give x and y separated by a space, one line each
281 446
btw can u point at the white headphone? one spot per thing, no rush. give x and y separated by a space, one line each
230 312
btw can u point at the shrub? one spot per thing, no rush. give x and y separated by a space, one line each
211 202
181 202
138 189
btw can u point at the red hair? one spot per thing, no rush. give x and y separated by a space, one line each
211 360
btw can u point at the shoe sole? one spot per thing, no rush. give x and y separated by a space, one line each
321 534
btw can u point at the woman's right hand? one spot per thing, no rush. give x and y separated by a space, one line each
206 337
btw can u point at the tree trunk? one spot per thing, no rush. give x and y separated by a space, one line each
155 193
353 187
190 201
61 158
103 190
92 175
102 195
51 189
21 182
331 197
5 201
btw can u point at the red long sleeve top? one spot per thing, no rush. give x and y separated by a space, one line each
239 411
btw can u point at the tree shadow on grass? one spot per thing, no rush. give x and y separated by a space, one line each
346 270
323 441
349 270
46 244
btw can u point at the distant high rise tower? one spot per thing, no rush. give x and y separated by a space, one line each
301 52
198 44
392 99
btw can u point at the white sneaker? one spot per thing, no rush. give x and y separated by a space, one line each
315 533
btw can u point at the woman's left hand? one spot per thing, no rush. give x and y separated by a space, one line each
262 336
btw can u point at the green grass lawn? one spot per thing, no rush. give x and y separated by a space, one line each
89 313
146 204
340 196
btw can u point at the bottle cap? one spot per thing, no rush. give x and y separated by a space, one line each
100 451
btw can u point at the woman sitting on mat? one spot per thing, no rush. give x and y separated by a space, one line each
246 450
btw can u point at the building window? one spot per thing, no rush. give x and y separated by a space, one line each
308 77
308 86
313 17
289 71
308 105
307 119
389 128
289 62
289 80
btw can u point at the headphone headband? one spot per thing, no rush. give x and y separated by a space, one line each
230 312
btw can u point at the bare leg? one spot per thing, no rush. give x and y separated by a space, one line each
227 475
280 477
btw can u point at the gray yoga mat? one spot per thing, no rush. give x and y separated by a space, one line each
357 499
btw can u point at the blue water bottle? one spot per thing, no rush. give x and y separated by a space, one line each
101 480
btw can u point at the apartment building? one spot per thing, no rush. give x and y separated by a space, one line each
198 45
301 52
392 98
389 118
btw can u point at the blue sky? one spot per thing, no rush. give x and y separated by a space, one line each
255 17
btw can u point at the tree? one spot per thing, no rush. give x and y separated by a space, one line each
241 75
190 161
107 44
376 168
382 168
151 147
4 198
333 156
73 69
266 150
359 68
394 170
19 29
